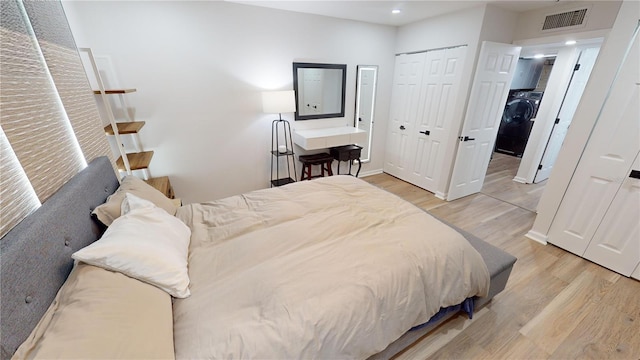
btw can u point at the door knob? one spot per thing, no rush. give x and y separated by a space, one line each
635 174
466 138
402 127
426 132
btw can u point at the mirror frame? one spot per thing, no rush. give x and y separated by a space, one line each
367 155
298 65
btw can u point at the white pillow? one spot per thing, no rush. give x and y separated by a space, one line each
110 210
145 243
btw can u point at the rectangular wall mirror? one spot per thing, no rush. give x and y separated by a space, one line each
319 89
367 78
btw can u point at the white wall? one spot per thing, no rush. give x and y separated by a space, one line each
458 28
498 25
200 67
612 51
600 16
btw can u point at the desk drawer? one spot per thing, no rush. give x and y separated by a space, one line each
346 153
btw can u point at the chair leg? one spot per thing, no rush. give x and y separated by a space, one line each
306 172
329 170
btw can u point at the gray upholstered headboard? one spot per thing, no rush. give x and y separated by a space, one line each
35 256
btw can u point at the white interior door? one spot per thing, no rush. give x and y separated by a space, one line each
438 94
565 116
495 70
616 243
404 111
605 163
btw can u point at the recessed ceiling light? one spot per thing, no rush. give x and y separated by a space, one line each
396 11
570 42
538 56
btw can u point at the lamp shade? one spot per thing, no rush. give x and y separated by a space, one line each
277 102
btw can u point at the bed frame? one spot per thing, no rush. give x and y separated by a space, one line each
35 257
499 263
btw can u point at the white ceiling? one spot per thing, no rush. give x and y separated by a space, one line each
379 11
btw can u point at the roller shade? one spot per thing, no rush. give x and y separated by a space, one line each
17 197
61 56
49 119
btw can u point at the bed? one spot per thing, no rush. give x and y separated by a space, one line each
259 247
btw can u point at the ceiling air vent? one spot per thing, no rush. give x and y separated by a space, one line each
564 20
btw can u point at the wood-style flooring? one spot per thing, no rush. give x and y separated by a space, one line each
499 183
556 305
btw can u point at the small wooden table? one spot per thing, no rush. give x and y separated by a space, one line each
347 153
163 185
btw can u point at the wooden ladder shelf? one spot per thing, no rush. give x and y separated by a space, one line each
137 161
125 128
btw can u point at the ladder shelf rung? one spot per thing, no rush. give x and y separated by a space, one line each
115 91
137 161
131 127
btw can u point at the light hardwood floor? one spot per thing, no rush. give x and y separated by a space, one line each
499 183
556 305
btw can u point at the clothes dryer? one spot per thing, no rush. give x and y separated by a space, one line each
516 123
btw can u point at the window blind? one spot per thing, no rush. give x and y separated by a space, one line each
49 119
32 116
17 197
58 47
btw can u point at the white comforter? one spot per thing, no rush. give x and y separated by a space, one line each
331 268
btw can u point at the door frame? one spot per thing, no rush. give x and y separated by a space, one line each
559 83
582 66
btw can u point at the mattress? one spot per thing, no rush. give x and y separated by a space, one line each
330 268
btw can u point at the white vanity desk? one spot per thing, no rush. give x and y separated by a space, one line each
329 137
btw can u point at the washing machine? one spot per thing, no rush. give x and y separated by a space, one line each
516 123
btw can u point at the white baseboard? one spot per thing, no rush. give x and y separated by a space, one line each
520 180
537 237
370 172
441 195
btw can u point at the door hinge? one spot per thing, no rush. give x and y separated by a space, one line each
540 167
557 121
577 67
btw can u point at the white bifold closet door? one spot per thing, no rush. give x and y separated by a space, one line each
425 90
404 111
599 215
616 243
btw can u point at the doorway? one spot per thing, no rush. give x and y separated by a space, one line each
569 75
504 180
525 94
